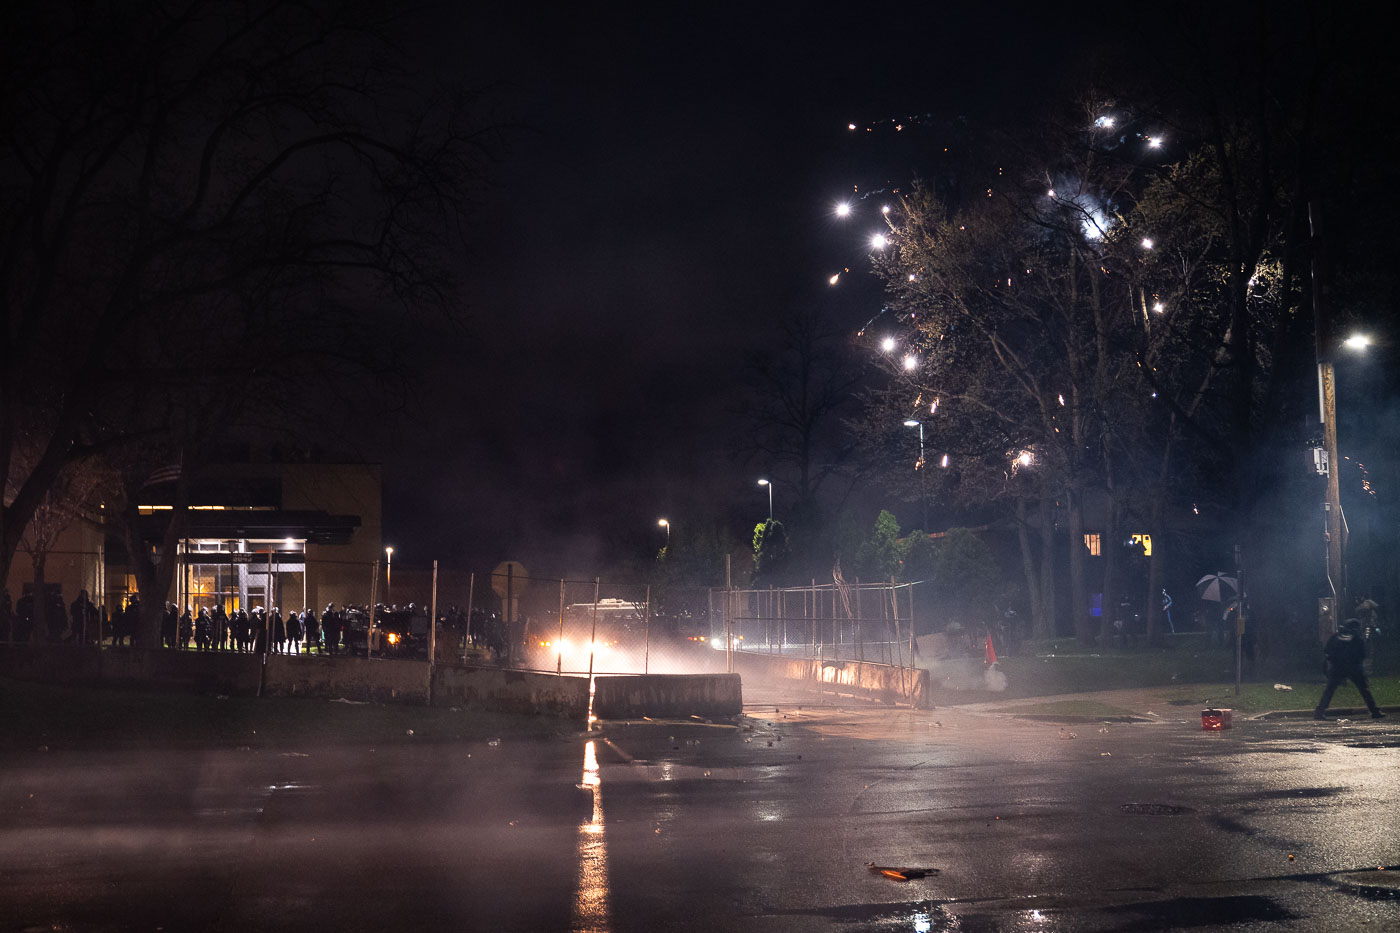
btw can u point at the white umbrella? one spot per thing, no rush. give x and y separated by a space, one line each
1217 587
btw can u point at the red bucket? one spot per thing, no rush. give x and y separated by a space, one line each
1214 720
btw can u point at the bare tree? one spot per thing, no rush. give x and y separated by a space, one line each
197 199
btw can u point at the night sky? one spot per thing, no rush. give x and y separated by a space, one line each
663 195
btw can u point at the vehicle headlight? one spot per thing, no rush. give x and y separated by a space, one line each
716 643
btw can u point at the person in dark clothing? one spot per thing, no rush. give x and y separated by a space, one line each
203 625
79 614
220 623
312 628
168 620
241 628
131 622
330 622
294 631
1344 654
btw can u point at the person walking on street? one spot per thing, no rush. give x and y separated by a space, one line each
1344 653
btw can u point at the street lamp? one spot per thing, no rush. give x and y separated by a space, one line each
1335 526
665 523
389 576
923 474
764 482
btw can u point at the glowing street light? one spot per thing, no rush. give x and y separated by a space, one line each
1159 307
665 523
389 576
879 241
834 279
764 482
1025 458
1357 342
843 209
888 344
1154 142
1147 242
911 362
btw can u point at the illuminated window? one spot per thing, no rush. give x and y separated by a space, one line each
1145 541
1092 543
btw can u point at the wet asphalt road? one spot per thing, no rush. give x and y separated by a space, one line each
1032 826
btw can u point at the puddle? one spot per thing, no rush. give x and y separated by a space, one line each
915 916
1185 912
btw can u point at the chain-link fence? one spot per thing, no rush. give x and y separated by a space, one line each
830 622
582 626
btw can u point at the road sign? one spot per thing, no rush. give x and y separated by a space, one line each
509 574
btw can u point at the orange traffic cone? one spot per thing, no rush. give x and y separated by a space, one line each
991 652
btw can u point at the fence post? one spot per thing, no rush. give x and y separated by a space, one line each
471 597
898 644
728 616
373 595
559 642
646 635
593 637
911 625
860 627
432 634
509 614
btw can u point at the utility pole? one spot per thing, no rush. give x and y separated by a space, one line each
1327 414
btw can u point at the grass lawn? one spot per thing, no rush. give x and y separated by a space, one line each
1260 698
69 717
1186 669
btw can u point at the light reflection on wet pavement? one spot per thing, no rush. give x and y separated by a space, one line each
768 826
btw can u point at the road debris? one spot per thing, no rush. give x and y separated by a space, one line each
494 743
1282 687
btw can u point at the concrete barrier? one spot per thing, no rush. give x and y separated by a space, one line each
199 672
667 696
886 683
511 691
352 678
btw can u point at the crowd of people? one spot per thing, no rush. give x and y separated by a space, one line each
208 628
334 631
258 630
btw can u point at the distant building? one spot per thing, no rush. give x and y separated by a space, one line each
291 535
